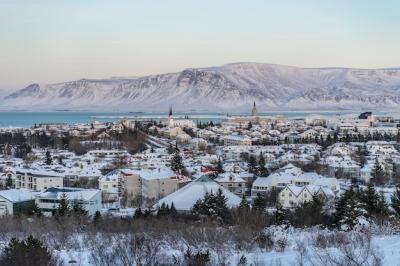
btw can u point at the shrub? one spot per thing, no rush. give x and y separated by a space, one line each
30 252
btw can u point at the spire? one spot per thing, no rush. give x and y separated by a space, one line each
254 110
170 111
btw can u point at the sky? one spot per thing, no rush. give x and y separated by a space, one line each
46 41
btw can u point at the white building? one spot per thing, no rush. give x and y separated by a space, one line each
38 180
90 199
148 185
233 182
110 186
236 140
187 196
292 195
14 201
292 175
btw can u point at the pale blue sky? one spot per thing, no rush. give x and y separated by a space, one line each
55 40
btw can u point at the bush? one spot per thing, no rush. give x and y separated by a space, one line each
200 258
30 252
264 240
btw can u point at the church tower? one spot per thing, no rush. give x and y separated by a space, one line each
254 110
170 118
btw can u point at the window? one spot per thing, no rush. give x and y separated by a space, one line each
290 194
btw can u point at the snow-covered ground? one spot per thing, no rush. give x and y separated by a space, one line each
300 249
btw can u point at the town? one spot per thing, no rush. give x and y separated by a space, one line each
285 169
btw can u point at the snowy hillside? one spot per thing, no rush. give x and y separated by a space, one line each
229 87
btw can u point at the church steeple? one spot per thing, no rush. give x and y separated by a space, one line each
254 110
170 118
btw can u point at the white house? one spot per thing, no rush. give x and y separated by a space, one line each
14 201
90 199
233 182
110 186
292 175
236 140
38 180
292 195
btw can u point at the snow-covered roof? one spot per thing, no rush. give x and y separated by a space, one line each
18 195
186 197
147 174
229 177
39 172
71 193
292 174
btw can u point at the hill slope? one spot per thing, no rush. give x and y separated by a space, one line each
229 87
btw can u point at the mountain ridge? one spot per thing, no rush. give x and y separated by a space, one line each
228 87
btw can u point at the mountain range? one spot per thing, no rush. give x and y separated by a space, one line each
231 87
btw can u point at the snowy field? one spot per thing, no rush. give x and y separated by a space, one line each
299 248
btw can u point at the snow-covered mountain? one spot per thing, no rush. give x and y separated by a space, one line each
230 87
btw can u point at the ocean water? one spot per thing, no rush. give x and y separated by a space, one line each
28 119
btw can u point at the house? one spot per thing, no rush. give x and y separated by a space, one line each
187 196
292 175
236 140
293 195
183 138
148 185
14 201
233 182
110 186
90 199
38 180
158 184
344 168
8 173
198 144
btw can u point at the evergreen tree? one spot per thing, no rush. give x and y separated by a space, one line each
212 205
163 210
349 209
244 205
35 210
77 208
396 202
48 159
309 213
170 149
221 205
249 125
259 203
378 175
63 206
262 171
9 182
252 164
29 252
138 213
97 217
279 215
172 210
382 210
220 167
370 198
176 163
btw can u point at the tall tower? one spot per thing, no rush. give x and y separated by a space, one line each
254 110
170 118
